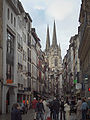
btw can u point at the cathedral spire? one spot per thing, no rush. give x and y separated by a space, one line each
54 40
47 40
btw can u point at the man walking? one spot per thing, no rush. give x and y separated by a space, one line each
40 110
56 107
84 108
62 112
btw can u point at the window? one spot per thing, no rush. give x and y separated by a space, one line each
24 55
11 18
10 43
9 71
56 62
8 13
14 22
24 37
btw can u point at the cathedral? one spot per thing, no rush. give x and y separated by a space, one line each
54 60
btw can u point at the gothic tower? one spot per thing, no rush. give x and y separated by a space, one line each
47 40
54 60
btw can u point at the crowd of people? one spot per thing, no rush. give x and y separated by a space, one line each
57 109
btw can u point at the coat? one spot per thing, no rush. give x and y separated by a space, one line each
67 111
34 102
16 114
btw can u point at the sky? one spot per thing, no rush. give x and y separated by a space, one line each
64 12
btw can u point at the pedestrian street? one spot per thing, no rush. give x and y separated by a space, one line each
29 116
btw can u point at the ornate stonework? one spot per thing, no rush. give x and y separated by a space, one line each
53 52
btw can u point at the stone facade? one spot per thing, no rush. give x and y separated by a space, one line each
84 49
71 68
1 40
54 60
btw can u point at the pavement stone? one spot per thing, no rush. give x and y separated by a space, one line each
29 116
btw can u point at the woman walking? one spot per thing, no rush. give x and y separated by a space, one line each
67 111
79 112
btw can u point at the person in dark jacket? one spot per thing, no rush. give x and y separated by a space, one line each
62 112
56 108
15 113
51 109
40 110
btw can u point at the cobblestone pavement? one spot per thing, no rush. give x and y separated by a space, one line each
29 116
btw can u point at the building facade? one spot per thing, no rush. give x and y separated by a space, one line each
84 48
71 69
1 51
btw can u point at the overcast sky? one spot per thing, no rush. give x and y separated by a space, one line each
65 13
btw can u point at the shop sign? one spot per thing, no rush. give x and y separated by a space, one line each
9 81
78 86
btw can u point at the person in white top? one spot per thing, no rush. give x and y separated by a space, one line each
46 114
67 111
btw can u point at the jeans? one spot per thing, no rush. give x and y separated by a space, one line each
84 112
40 115
56 115
62 112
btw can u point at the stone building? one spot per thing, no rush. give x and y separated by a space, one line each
1 51
54 60
9 88
23 55
71 68
14 70
84 48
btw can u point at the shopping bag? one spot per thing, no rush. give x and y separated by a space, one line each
48 118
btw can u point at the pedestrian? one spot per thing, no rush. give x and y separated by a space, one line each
51 109
56 109
15 113
62 112
78 107
67 111
84 108
46 114
40 109
34 102
88 102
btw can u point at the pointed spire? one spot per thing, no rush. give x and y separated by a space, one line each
47 40
54 40
59 47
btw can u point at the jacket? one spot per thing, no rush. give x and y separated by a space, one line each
40 107
34 102
56 105
16 114
84 106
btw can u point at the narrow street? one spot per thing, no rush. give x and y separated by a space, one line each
29 116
